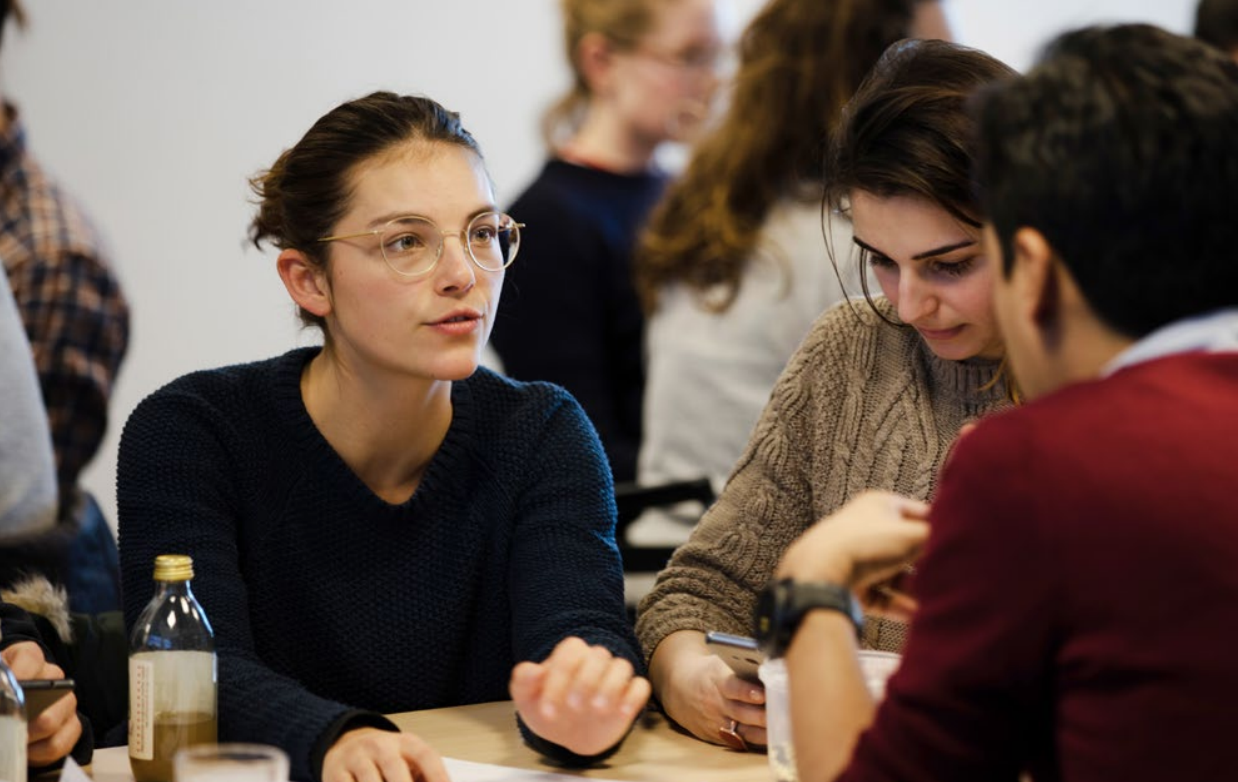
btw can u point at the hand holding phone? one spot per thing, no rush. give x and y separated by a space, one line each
41 693
739 652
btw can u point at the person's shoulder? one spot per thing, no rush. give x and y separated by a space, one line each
506 398
526 420
53 224
566 189
855 322
233 387
556 187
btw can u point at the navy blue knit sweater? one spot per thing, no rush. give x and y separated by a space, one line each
330 605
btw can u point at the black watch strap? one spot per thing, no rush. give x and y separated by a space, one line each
783 604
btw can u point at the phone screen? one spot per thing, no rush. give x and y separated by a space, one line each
740 652
41 693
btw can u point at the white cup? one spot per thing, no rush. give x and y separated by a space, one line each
230 763
877 668
773 675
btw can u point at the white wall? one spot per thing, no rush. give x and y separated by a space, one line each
154 112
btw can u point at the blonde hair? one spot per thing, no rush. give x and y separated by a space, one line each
622 22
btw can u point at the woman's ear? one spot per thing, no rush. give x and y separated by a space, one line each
305 281
594 57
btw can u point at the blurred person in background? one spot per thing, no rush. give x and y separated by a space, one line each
28 502
77 323
1216 22
60 730
733 267
643 73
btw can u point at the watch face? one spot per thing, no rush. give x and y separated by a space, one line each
782 605
764 616
771 618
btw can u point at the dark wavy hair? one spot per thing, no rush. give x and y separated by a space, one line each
908 132
1216 22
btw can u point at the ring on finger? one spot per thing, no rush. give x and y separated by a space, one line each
732 737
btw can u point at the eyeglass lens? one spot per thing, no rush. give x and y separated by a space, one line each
412 245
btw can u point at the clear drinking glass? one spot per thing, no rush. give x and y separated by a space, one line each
231 763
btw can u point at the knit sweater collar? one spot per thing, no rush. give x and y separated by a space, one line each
439 477
968 382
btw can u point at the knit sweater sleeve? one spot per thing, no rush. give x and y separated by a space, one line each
712 581
565 575
863 404
179 491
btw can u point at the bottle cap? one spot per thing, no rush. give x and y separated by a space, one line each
173 567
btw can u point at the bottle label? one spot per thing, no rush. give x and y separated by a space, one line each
141 708
165 687
12 749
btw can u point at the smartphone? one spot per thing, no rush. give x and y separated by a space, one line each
41 693
738 651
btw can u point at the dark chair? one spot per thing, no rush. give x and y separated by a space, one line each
633 499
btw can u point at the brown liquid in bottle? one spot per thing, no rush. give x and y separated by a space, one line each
171 733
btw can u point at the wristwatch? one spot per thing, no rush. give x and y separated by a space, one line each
782 606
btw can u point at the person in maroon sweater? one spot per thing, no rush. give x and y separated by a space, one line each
1075 610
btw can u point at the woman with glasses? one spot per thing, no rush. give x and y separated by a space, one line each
643 73
378 525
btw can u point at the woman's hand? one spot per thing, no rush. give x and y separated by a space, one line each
54 734
370 754
701 693
581 697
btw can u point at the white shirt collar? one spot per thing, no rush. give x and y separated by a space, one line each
1214 332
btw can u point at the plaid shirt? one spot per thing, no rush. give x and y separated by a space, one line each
76 319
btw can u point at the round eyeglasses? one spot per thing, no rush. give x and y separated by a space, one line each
412 245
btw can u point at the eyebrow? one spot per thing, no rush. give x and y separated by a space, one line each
381 220
949 248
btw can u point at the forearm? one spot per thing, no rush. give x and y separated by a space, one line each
830 706
667 658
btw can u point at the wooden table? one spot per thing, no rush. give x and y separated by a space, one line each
486 733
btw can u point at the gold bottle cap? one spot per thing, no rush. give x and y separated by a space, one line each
173 567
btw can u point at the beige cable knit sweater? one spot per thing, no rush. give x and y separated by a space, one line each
862 404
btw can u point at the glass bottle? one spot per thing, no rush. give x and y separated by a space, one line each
12 728
172 674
